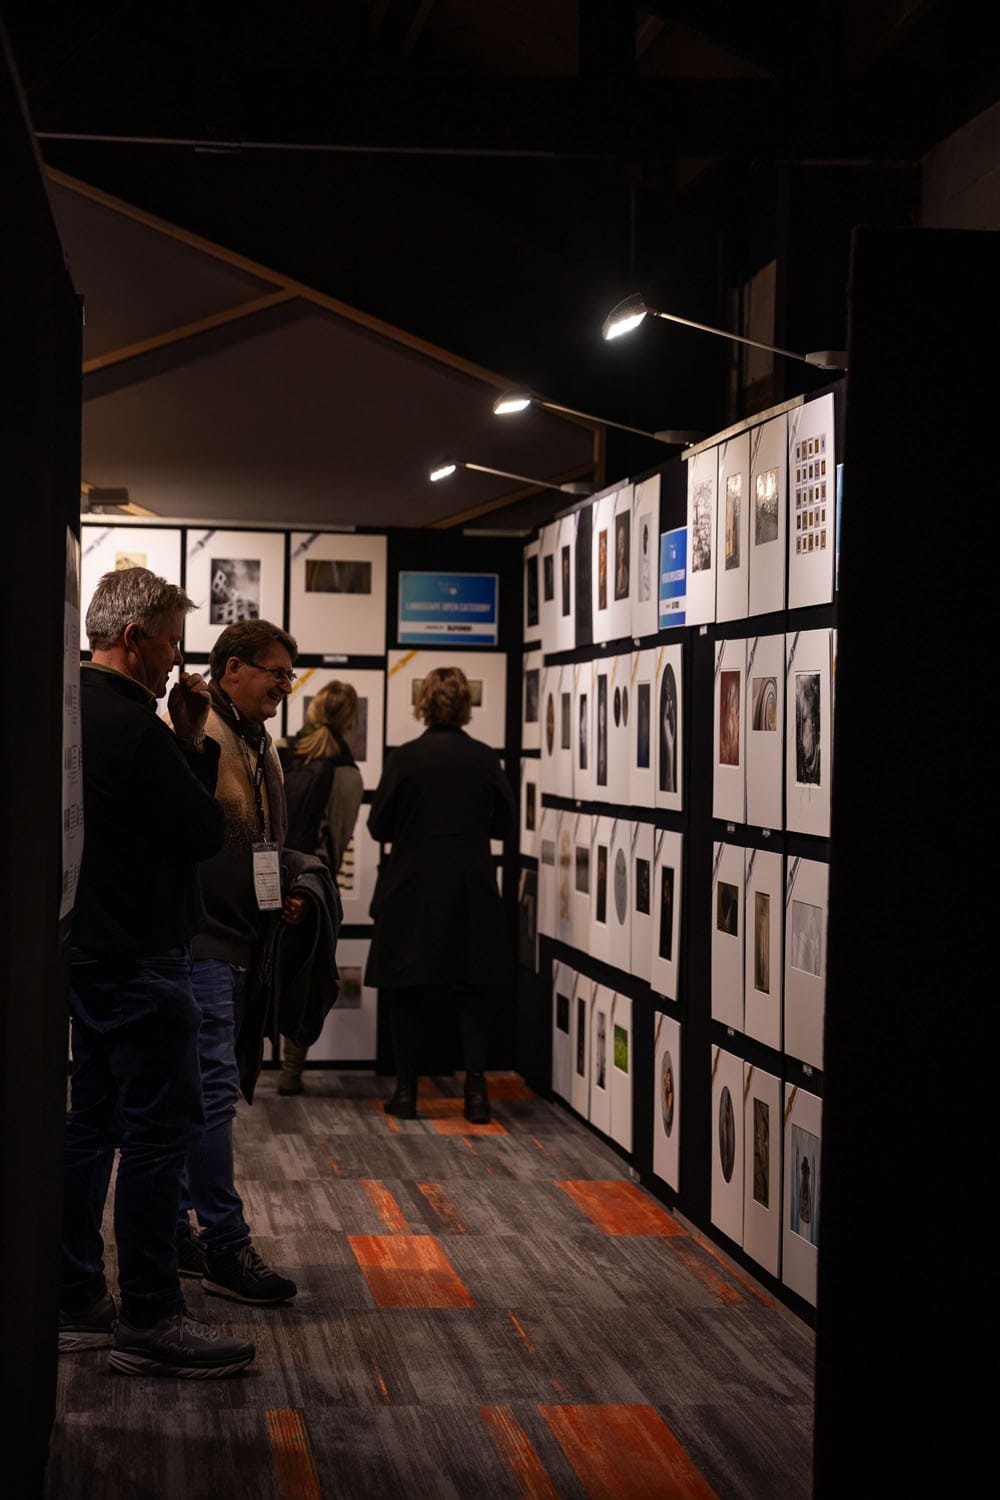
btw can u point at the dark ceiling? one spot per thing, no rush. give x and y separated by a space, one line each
493 175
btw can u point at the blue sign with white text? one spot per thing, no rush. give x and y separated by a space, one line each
673 576
457 607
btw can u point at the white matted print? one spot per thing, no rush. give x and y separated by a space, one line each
803 1136
668 727
642 743
580 1023
668 848
809 741
531 802
350 1029
667 1101
643 904
366 738
620 894
600 1059
549 711
732 587
727 1143
645 557
762 1167
621 706
565 872
728 870
564 620
764 733
232 576
620 566
531 701
358 871
548 539
581 825
602 565
601 694
584 678
111 549
621 1071
729 765
702 487
812 498
487 675
806 888
545 843
600 885
763 907
337 583
532 619
768 514
563 983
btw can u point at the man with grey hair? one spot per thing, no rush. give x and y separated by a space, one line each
149 816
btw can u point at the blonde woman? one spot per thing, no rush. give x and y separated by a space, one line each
323 791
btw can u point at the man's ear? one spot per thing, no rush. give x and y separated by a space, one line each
233 665
130 635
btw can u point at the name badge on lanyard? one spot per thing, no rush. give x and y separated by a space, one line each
267 877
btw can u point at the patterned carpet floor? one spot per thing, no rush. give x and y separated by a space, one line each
483 1311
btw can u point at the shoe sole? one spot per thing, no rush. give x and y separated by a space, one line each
185 1271
216 1289
128 1363
72 1343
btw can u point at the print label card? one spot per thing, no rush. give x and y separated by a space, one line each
487 674
806 886
621 707
809 741
729 773
702 489
732 589
582 1003
812 487
584 685
545 843
531 803
763 959
668 848
563 984
727 1143
337 582
602 899
564 621
348 1033
621 1071
111 549
762 1167
765 729
358 871
801 1221
582 825
620 562
645 557
643 907
620 894
548 542
667 1101
768 518
232 576
565 905
668 727
367 737
600 1059
532 592
603 565
531 701
642 757
728 872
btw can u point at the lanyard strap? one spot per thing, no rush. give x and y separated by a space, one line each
256 775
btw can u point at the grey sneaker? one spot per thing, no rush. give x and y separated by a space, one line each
88 1327
244 1276
178 1346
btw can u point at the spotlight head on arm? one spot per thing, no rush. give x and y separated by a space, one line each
626 316
512 401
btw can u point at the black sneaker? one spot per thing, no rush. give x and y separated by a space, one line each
178 1346
88 1327
477 1100
191 1257
244 1276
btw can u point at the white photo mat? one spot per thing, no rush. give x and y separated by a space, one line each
549 705
600 886
809 737
727 1143
667 1100
764 734
728 741
583 734
110 549
337 582
487 674
620 894
642 723
620 709
801 1219
564 622
812 502
602 565
620 566
668 850
565 879
645 557
580 1024
668 734
762 1179
548 577
702 487
763 910
768 514
732 589
582 827
806 888
358 873
232 576
727 935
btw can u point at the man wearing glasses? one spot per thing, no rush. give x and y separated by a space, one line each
251 673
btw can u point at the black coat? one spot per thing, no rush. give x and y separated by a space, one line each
437 911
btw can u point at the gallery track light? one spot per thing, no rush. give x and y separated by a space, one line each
519 400
445 469
631 312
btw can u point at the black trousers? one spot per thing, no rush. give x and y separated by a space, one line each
415 1011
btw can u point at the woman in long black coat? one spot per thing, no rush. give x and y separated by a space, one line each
440 930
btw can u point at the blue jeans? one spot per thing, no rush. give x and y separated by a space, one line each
219 990
136 1086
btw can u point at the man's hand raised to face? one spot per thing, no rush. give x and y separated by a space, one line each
188 706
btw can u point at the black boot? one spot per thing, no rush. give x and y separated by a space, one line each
403 1102
477 1100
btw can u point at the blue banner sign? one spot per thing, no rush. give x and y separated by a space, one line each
457 607
673 576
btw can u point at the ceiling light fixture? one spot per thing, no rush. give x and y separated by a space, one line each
445 469
631 312
519 400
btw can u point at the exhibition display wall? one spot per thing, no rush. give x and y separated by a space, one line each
677 712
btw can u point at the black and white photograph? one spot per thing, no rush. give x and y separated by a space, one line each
601 1060
602 729
644 574
550 723
581 1035
548 578
668 730
601 895
531 590
583 732
765 510
702 515
617 701
807 728
235 590
583 869
530 804
764 704
565 721
734 500
666 945
621 887
806 950
327 575
761 1153
642 886
623 526
625 705
762 942
727 1134
727 908
531 682
562 1012
642 709
565 581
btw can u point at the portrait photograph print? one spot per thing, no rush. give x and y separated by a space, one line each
602 729
623 526
668 730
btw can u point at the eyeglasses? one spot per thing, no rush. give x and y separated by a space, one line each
280 674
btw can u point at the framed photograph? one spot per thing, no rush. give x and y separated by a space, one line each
602 569
812 495
546 844
232 576
667 1100
531 804
644 908
642 741
582 1003
532 618
645 557
337 583
111 549
564 980
769 511
551 729
729 770
732 588
702 490
727 1144
668 849
621 705
566 881
584 684
762 1167
551 576
765 729
366 738
531 700
803 1134
620 563
601 1063
487 675
728 919
763 965
668 727
619 900
602 896
809 740
350 1029
564 618
581 825
806 887
600 785
621 1069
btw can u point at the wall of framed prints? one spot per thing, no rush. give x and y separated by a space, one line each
338 593
675 818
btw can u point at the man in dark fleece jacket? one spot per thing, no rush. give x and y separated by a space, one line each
149 816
